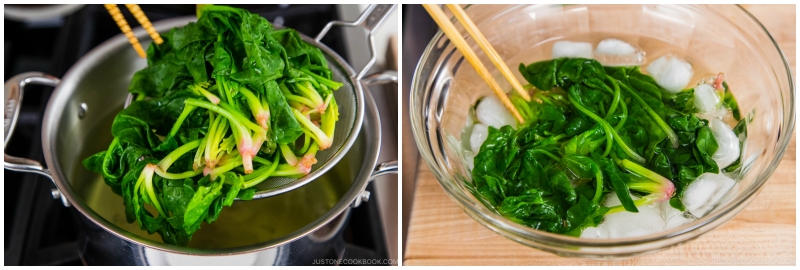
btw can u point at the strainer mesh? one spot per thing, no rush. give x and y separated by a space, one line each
346 99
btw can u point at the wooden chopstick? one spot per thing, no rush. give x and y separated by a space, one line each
458 41
487 48
139 15
116 14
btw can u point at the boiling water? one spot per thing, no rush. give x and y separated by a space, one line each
244 223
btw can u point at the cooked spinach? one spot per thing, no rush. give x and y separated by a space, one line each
589 131
223 104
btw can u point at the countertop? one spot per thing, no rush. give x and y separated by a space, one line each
441 233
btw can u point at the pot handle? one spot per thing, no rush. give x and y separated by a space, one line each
380 170
384 169
371 19
14 88
388 76
385 77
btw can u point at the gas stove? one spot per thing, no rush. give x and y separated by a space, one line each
40 230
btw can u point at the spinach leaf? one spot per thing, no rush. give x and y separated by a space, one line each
705 149
585 143
586 213
542 74
197 209
209 115
684 101
590 131
618 181
284 126
741 131
686 175
730 102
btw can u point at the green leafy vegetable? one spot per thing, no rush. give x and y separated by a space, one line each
224 104
589 131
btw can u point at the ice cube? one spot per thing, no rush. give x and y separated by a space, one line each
566 48
705 192
651 219
594 233
491 112
614 46
626 224
469 159
728 150
698 193
671 73
720 113
478 136
705 98
613 200
673 217
615 52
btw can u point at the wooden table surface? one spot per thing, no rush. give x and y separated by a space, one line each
440 233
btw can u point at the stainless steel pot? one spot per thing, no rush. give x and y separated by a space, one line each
292 228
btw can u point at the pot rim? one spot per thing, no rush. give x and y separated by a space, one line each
57 104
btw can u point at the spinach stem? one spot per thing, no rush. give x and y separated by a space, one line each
307 102
313 130
610 133
212 142
545 99
198 156
243 137
624 116
261 174
648 181
221 89
148 182
288 154
306 144
646 200
258 107
183 175
167 161
673 137
222 129
331 84
200 89
329 118
523 107
306 91
187 109
261 160
615 101
240 117
546 153
598 192
288 171
235 162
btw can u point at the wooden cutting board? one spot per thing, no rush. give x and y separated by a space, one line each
440 233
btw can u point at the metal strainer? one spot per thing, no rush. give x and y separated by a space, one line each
349 97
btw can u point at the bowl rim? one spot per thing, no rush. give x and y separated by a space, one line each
509 229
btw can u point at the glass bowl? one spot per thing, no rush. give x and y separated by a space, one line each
713 38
